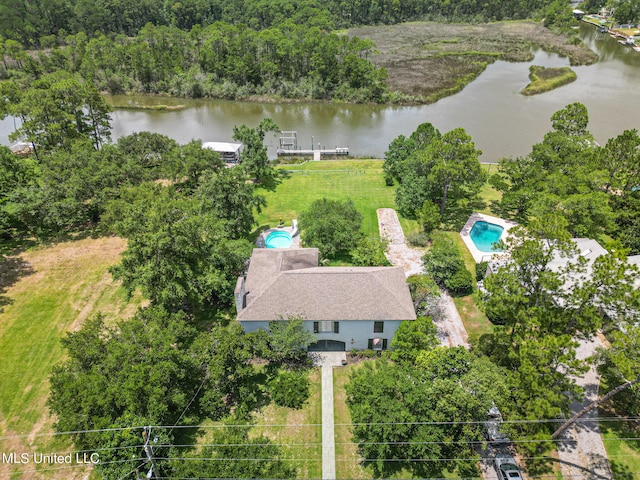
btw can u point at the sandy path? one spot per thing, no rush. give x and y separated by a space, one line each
583 455
451 331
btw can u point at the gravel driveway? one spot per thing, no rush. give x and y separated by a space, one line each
582 453
451 331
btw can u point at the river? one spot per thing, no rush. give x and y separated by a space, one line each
501 121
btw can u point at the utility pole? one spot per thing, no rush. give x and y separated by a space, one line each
153 471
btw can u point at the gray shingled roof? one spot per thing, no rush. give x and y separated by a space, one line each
287 282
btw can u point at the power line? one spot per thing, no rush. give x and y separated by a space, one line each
297 425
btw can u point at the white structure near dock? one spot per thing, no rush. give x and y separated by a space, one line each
230 152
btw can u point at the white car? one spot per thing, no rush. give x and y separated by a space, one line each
507 468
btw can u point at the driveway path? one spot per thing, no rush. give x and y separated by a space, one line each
398 252
582 453
451 331
328 360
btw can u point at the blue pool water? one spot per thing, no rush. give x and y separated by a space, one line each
278 239
484 235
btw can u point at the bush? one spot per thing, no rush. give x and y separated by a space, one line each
460 283
481 270
429 217
388 180
443 260
418 239
445 264
290 389
370 252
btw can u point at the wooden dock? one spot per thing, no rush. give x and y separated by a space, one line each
289 147
313 152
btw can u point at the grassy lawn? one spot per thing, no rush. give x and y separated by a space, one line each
623 448
489 194
359 180
299 431
46 293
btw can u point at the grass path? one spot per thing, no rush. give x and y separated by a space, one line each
48 292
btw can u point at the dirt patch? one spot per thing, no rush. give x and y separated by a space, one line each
432 60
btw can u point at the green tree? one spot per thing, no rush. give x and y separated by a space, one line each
187 163
401 148
231 199
290 388
181 257
572 120
16 173
72 188
331 226
445 264
545 308
412 338
59 108
415 190
432 412
255 161
456 171
254 457
620 158
287 341
140 372
230 384
429 217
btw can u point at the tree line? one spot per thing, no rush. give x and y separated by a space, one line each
29 22
595 188
221 60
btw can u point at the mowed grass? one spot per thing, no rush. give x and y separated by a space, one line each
348 459
359 180
475 321
623 448
298 431
47 292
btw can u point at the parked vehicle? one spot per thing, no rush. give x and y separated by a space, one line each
507 468
492 427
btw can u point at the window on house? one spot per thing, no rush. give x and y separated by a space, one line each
377 344
378 327
326 326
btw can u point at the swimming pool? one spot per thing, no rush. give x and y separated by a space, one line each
484 235
278 239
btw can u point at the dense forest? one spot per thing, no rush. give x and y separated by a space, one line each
230 50
28 21
220 61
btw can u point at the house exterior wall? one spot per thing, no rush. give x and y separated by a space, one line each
360 331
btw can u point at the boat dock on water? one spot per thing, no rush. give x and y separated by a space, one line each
618 32
289 147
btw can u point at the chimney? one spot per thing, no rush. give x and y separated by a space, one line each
240 294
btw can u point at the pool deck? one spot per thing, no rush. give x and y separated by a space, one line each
479 256
294 232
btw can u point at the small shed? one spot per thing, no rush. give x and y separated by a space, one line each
230 152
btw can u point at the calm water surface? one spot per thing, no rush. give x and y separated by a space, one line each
501 121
